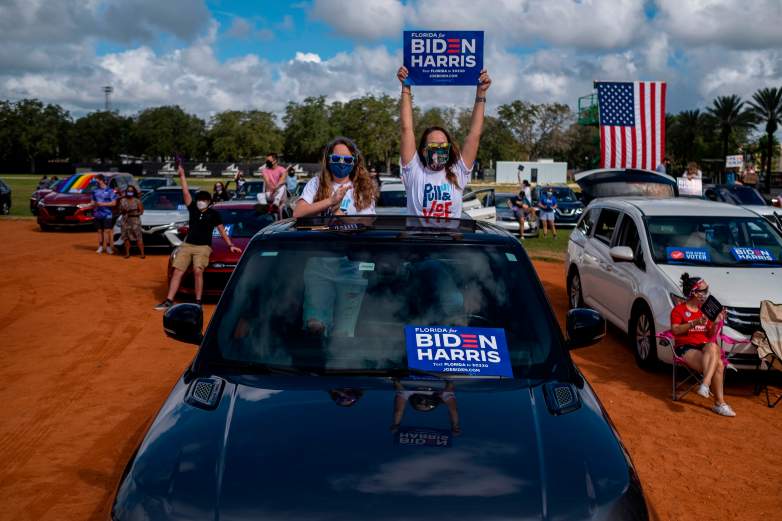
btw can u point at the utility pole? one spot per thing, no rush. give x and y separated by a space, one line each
107 90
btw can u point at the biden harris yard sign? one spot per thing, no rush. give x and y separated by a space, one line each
443 57
472 351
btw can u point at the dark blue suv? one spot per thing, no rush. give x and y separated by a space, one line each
569 208
304 403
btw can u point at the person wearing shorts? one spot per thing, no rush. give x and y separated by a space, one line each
547 205
694 341
196 249
103 200
521 207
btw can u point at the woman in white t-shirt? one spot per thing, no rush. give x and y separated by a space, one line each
343 186
436 173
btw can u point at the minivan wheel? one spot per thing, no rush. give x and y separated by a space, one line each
574 290
644 338
5 209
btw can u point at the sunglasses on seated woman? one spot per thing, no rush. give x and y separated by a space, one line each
336 158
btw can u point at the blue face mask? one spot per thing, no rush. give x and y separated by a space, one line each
340 170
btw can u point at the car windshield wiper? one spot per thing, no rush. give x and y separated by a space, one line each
258 367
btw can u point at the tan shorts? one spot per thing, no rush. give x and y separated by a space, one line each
189 253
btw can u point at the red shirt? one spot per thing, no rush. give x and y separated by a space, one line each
680 314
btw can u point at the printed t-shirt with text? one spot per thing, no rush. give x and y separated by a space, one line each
348 202
697 334
429 194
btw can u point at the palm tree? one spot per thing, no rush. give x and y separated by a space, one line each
729 115
766 105
691 123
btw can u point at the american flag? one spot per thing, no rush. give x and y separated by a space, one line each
632 124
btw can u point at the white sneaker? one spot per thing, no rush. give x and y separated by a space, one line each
703 390
99 250
109 250
724 410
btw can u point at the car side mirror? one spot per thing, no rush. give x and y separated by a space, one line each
584 327
184 322
621 254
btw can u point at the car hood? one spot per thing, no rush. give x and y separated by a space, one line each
280 448
569 204
733 287
160 217
222 253
67 199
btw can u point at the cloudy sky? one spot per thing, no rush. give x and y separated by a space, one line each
213 55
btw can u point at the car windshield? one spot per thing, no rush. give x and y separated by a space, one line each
151 184
164 200
502 200
338 305
393 198
563 195
746 195
714 241
244 222
250 190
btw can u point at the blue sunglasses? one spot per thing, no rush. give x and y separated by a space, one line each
336 158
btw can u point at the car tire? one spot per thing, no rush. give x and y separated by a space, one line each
45 227
643 338
575 292
5 208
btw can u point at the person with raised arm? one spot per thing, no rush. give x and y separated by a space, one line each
436 171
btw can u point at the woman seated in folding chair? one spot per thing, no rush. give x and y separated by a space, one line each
693 333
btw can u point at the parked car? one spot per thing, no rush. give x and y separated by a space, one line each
508 221
5 198
242 220
71 205
745 196
275 420
164 213
39 193
569 207
249 190
290 204
148 184
626 257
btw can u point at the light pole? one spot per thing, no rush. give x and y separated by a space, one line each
107 90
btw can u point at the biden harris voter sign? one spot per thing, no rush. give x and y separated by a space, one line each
443 57
460 350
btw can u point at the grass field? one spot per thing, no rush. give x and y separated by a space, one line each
550 248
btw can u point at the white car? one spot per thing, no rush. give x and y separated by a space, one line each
626 256
477 204
164 213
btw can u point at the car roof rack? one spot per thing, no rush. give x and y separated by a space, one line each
401 223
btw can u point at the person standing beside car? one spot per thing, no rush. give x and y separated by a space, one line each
274 183
196 248
131 208
547 205
521 205
104 199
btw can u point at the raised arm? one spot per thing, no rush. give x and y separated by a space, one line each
185 188
407 140
473 139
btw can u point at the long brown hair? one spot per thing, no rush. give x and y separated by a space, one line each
364 189
454 156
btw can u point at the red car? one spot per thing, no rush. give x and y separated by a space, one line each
71 204
242 220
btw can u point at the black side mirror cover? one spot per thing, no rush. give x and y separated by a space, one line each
584 327
184 322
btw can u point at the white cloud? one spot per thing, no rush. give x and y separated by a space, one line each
365 19
753 24
307 57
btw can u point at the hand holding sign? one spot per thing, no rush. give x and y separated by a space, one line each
443 57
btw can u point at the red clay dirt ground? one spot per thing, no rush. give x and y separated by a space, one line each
84 366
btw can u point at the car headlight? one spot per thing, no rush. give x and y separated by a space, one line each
579 210
41 203
82 206
179 224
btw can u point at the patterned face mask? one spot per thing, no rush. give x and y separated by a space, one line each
437 155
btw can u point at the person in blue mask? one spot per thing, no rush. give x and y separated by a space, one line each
547 206
343 186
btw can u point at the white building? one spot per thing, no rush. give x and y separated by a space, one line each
542 171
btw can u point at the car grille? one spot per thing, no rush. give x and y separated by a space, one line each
567 211
744 320
216 280
60 211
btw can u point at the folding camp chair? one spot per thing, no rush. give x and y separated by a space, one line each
769 345
693 377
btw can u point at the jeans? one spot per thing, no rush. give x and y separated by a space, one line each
333 292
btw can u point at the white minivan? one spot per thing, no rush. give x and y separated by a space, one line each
627 254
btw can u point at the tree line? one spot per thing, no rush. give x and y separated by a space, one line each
31 130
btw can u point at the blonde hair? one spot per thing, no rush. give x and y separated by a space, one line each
364 188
